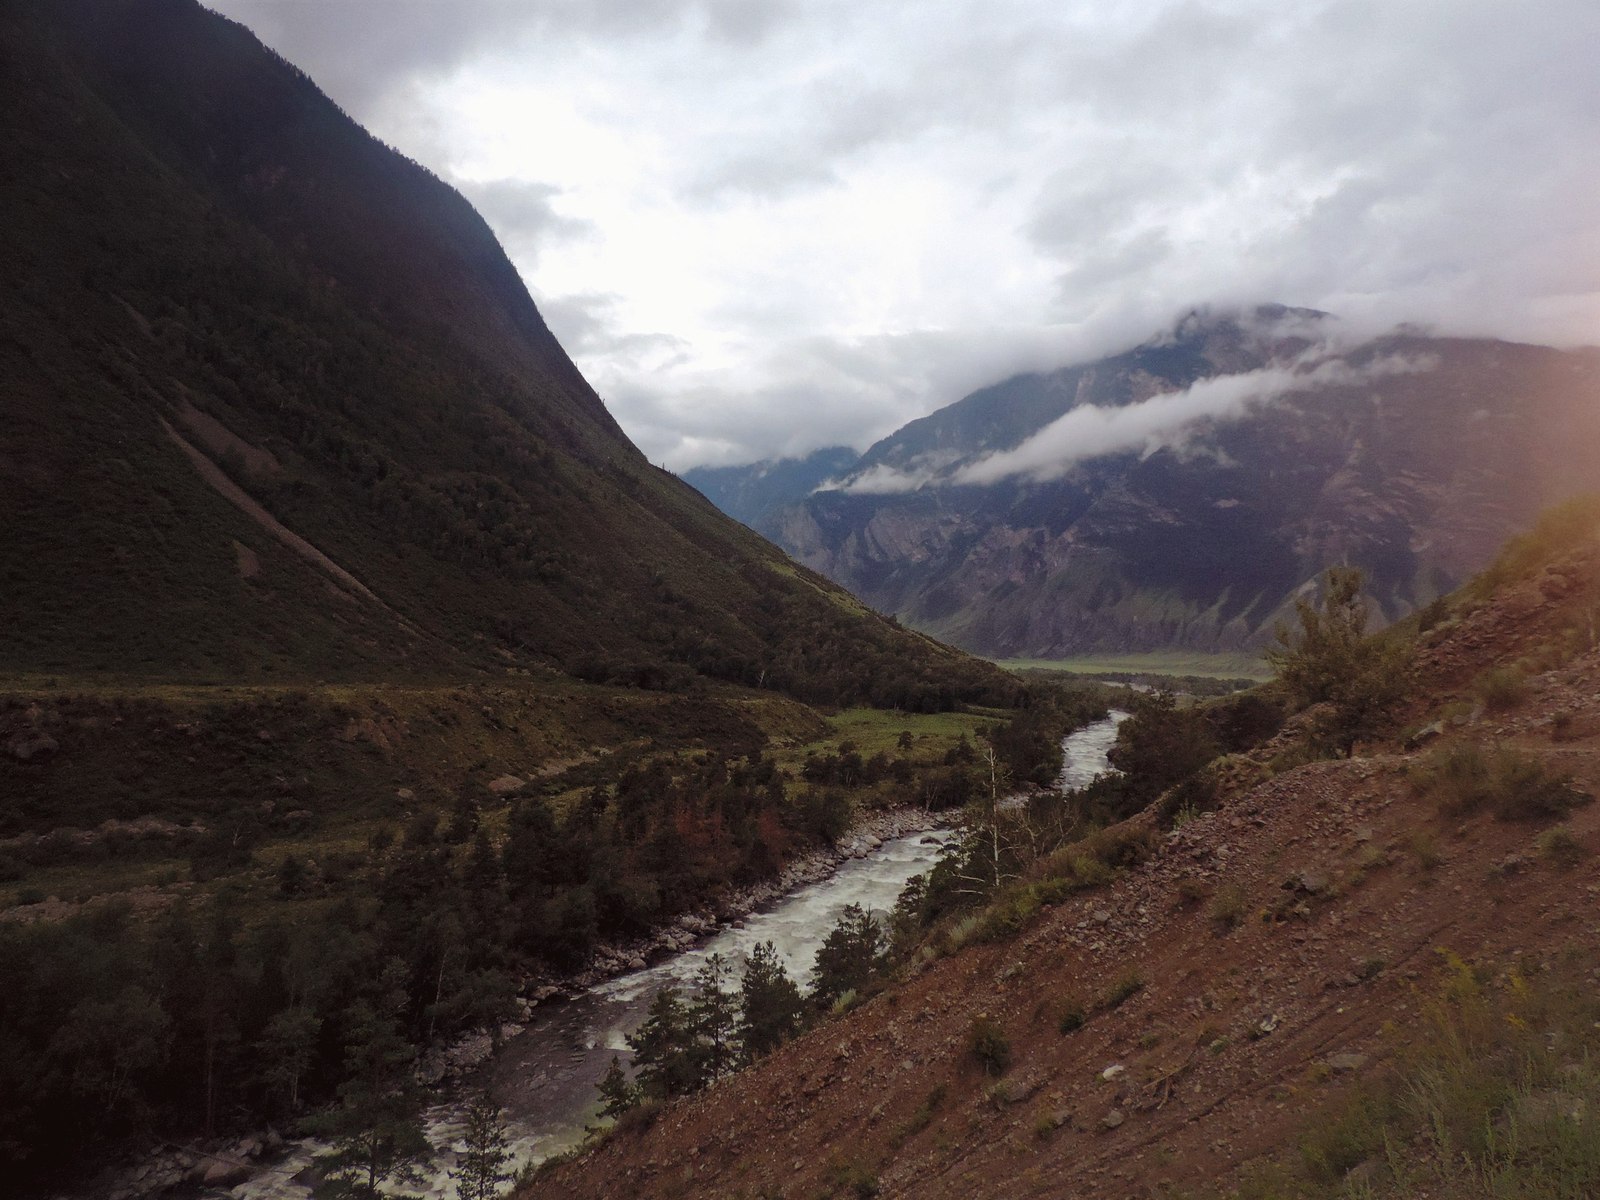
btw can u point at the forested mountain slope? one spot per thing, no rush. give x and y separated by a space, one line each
277 405
357 674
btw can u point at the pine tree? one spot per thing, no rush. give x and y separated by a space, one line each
770 1006
663 1048
713 1020
617 1091
375 1130
483 1163
849 956
288 1046
1331 659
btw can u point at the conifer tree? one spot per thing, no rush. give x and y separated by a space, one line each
663 1048
617 1092
288 1046
849 956
375 1130
482 1170
770 1006
1331 659
713 1021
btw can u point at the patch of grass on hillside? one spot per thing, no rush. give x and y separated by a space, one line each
1494 1095
873 729
1559 531
1465 778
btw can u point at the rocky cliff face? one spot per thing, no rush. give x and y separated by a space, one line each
1412 457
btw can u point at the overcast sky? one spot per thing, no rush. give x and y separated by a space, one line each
765 226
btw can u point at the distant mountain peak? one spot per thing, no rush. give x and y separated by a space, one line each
1177 493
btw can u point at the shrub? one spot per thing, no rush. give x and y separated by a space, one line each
1560 847
1425 848
920 1119
853 1179
1331 660
1228 905
1331 1148
1124 989
1475 1102
1072 1018
1465 778
989 1045
1500 688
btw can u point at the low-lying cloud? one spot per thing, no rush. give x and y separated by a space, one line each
1168 420
1171 420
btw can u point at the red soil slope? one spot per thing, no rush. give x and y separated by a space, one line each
1347 884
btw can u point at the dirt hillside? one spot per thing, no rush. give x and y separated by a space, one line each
1265 955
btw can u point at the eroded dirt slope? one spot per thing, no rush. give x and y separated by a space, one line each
1275 949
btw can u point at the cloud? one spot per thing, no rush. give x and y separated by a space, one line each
881 479
1168 420
522 213
812 222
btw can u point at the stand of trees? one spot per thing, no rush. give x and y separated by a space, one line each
268 998
243 1008
688 1042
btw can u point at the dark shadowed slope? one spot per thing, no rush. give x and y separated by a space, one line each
276 404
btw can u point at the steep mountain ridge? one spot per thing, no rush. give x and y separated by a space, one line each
278 406
1411 456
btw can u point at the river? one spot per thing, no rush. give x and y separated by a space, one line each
545 1076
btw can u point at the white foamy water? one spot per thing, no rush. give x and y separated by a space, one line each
1083 754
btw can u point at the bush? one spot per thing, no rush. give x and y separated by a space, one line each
920 1119
1228 905
1332 660
989 1045
1500 688
1124 989
853 1179
1474 1103
1560 847
1464 778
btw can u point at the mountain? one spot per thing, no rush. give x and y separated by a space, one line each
278 406
1179 495
750 493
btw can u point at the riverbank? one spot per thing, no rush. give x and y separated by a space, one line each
610 960
262 1165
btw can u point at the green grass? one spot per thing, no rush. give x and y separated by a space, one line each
1156 662
873 729
1492 1096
